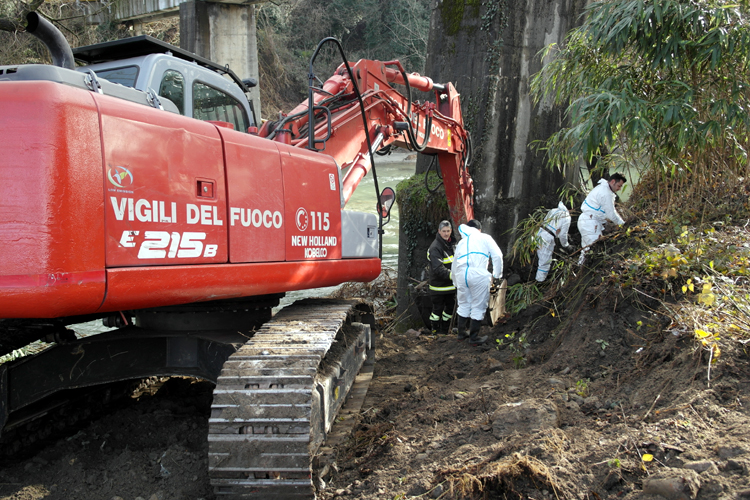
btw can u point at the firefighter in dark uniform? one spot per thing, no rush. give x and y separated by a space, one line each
442 290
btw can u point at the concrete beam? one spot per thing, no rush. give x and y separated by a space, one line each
150 10
224 33
131 10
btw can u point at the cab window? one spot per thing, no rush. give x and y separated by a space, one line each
124 76
172 87
213 104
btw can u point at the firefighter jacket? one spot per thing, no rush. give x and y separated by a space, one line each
440 255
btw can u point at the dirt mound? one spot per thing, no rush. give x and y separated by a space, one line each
153 449
634 412
588 394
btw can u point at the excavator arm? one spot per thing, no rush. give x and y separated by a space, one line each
390 119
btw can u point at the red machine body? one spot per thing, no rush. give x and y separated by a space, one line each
108 205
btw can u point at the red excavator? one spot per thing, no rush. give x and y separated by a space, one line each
138 189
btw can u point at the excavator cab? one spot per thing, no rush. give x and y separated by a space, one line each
198 87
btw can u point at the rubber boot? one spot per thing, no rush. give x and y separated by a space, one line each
445 327
462 334
474 338
435 327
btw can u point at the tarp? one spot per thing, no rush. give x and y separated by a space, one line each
497 302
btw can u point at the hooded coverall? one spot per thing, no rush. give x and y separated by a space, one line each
556 223
596 210
470 274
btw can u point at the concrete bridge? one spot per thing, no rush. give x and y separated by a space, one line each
220 30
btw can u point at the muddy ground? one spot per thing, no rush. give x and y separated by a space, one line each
605 400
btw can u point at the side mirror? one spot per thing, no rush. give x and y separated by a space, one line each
387 197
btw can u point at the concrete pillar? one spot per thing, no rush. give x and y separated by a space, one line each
136 27
225 34
489 50
490 53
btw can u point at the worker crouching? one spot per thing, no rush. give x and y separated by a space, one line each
442 290
556 225
472 279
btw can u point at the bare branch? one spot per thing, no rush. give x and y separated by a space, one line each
14 24
32 6
10 25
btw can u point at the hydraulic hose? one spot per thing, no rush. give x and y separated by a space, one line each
437 171
410 129
311 118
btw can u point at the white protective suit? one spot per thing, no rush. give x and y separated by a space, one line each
556 223
596 210
470 274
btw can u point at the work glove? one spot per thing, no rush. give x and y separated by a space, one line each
568 249
496 282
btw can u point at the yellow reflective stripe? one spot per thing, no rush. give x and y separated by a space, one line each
434 317
442 288
447 260
447 316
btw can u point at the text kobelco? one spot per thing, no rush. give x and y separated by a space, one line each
318 244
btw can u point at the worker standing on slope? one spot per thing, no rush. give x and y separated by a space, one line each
442 290
597 209
556 224
472 279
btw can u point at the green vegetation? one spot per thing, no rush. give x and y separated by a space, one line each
521 295
420 211
582 387
518 344
527 237
657 86
289 31
701 279
659 89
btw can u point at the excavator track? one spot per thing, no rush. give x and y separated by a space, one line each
278 395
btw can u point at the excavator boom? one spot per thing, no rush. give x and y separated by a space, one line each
391 119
